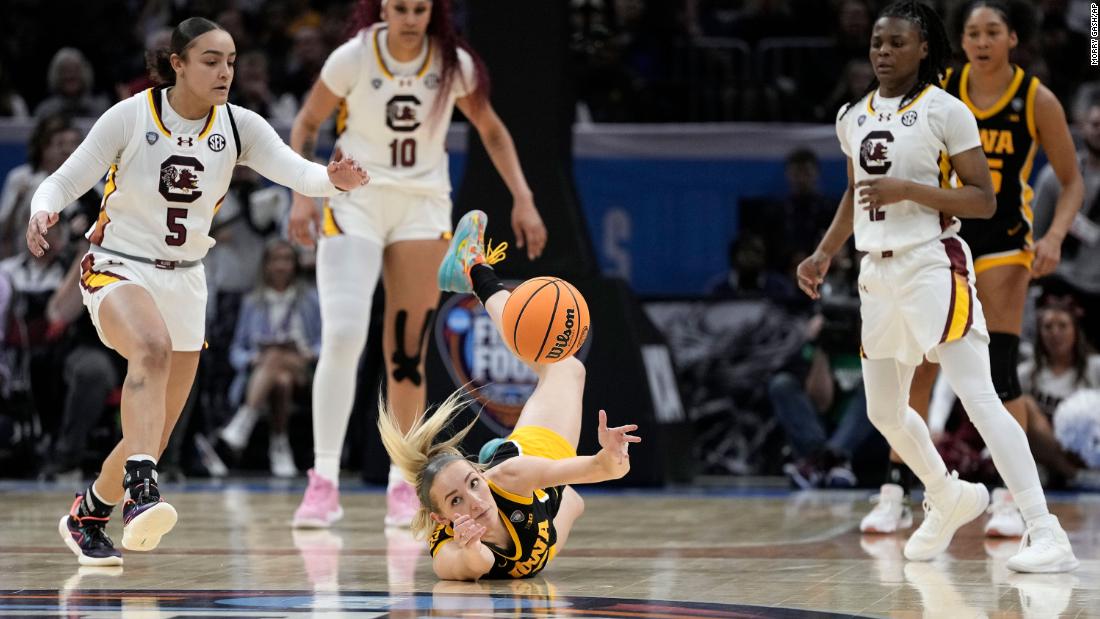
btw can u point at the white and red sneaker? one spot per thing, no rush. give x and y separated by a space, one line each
320 506
401 503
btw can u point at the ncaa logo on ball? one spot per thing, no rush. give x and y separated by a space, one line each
478 359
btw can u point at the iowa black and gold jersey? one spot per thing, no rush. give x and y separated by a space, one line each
1009 140
530 523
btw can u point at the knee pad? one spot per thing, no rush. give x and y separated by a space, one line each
1004 352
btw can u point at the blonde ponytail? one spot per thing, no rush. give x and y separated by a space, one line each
418 456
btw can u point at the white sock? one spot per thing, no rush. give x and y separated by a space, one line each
328 467
348 269
140 457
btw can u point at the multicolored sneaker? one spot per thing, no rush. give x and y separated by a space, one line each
87 537
467 249
146 519
401 504
320 506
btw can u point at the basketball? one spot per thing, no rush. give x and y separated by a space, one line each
545 320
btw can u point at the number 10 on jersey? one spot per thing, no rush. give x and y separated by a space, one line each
403 153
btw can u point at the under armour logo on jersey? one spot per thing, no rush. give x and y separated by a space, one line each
189 141
884 117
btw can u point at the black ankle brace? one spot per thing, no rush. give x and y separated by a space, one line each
485 281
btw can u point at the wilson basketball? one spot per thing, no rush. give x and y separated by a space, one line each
545 320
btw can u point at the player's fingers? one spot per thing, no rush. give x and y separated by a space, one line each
603 419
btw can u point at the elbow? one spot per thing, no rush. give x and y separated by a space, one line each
988 204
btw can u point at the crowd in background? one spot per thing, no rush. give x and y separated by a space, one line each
634 61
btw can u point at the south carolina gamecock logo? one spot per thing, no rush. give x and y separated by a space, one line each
874 152
179 178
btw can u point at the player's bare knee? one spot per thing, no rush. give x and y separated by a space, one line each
154 353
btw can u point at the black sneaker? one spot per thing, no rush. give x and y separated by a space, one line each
146 518
87 537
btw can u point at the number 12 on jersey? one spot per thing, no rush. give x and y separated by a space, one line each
403 153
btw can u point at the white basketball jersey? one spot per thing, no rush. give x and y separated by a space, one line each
163 191
912 143
386 120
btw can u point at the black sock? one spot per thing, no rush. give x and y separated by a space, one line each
485 281
901 475
141 476
93 506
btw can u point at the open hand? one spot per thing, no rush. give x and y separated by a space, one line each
36 232
345 172
467 531
616 440
528 227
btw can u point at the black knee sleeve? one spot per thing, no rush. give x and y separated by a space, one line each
1004 352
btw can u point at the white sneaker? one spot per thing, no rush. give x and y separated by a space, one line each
1044 549
237 432
942 520
892 512
281 457
1006 519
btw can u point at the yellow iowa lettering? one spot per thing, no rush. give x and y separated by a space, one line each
537 553
997 142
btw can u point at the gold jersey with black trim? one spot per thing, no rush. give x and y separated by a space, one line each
1008 133
529 521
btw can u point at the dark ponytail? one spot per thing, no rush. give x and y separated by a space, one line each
159 62
932 31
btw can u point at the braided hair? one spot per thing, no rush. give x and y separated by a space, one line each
932 31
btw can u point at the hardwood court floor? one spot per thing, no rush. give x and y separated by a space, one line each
651 554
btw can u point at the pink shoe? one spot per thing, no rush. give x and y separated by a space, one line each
401 504
320 506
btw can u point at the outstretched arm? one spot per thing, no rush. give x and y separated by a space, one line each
524 474
463 556
264 151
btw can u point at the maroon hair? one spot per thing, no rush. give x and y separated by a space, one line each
441 32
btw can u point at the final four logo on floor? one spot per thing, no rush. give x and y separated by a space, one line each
475 356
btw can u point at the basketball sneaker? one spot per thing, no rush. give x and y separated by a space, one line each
891 513
320 506
1044 549
467 248
146 519
1006 519
964 502
401 504
87 537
